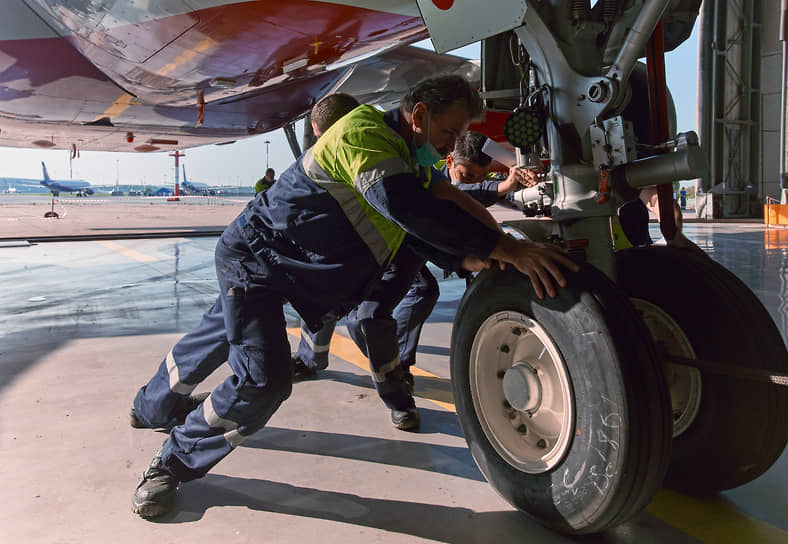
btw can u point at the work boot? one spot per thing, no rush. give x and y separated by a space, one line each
407 420
155 494
182 408
300 369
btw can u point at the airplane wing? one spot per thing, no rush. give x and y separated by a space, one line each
117 76
383 80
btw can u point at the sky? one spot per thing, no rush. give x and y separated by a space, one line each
244 162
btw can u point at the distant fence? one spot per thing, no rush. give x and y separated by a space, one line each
181 199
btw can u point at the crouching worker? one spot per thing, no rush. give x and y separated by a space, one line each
336 217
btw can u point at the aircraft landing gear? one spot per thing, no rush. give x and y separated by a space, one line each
562 401
728 430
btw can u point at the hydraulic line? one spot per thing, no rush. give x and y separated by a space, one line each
658 102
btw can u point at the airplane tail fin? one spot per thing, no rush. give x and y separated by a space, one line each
44 168
184 173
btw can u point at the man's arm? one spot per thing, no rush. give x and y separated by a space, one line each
488 192
445 190
518 178
443 224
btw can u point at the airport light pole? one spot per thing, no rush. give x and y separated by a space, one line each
267 142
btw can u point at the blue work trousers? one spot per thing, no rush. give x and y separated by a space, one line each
373 328
412 312
314 347
245 327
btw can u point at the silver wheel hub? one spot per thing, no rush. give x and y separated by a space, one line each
522 388
521 392
684 382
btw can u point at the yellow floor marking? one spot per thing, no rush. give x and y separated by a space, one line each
344 348
130 253
711 521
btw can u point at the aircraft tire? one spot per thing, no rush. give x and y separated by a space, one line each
738 427
604 426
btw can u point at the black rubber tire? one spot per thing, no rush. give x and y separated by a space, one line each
608 353
741 426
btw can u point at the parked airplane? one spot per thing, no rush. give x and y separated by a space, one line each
195 187
57 186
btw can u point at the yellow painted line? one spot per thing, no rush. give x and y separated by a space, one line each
346 349
712 520
130 253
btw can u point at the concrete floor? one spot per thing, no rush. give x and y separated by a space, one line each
84 324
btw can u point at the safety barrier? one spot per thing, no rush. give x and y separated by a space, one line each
181 199
774 213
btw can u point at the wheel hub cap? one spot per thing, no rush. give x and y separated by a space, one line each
521 392
522 388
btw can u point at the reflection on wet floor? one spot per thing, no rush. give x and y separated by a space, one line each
114 298
756 255
144 286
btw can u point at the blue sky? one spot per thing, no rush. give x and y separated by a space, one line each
244 162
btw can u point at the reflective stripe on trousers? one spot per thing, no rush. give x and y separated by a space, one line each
187 364
313 349
259 357
374 330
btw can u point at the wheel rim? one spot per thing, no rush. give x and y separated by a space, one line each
684 382
521 392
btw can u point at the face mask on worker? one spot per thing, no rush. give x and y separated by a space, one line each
426 155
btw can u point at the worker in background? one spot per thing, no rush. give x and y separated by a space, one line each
468 168
265 182
319 238
633 217
313 348
414 297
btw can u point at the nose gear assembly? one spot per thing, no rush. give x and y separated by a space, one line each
579 408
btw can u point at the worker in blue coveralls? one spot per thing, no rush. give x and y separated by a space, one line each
406 271
391 337
313 348
410 284
336 217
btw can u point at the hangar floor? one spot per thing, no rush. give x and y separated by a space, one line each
84 324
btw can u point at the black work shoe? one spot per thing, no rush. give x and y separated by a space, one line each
300 370
182 409
155 494
407 420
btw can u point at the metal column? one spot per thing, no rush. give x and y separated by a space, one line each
733 122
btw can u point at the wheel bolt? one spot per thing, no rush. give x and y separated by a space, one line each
521 429
504 348
541 444
517 331
511 414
